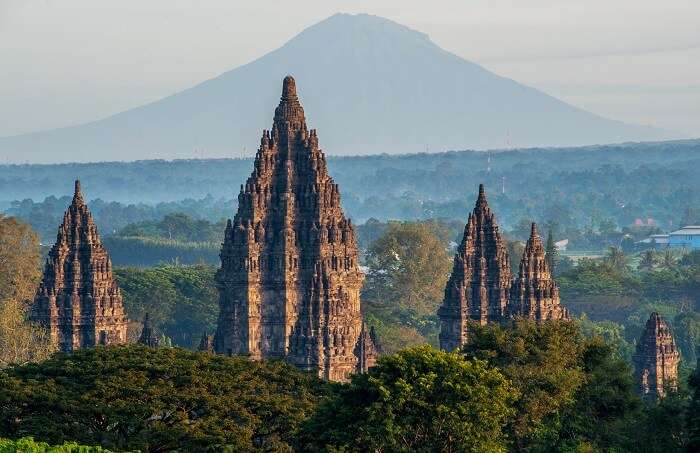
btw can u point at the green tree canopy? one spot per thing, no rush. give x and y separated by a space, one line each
20 342
693 417
648 260
20 265
418 400
408 268
573 390
29 445
179 226
617 259
155 400
182 300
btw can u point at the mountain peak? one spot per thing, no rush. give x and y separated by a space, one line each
373 86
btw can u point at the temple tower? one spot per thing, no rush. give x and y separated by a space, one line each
148 335
78 300
479 286
367 349
656 359
289 281
535 294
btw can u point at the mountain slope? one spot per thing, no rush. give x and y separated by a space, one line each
368 84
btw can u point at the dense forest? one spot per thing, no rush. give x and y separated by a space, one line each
578 188
515 387
518 388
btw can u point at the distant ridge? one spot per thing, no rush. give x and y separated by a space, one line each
156 181
372 86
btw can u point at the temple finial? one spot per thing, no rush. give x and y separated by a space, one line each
289 88
533 231
77 194
481 199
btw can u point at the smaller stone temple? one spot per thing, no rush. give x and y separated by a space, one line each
656 359
367 349
479 286
148 336
482 290
78 300
534 294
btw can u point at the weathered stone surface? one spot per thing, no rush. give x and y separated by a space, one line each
535 294
656 359
367 349
289 281
78 300
479 286
148 336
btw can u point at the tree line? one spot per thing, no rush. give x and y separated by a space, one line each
585 190
554 387
520 387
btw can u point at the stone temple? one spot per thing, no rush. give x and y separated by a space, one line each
481 288
148 335
289 281
656 359
534 293
78 301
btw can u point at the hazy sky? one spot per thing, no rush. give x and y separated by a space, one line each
63 62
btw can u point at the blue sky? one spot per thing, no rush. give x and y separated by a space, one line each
66 62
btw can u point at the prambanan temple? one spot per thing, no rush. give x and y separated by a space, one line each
290 281
481 288
78 301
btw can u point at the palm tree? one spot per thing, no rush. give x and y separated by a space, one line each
649 260
616 259
669 259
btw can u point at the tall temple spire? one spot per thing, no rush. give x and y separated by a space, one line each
535 294
479 286
290 281
656 359
78 300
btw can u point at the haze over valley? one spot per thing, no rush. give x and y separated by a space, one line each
354 237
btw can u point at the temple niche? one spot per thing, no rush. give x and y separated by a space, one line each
656 359
78 300
289 281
